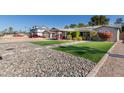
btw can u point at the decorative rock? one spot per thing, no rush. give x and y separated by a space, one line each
41 61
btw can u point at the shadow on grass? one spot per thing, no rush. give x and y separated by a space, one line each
80 50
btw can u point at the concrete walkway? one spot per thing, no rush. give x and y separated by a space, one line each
114 65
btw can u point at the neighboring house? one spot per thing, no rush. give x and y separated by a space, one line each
115 31
36 31
58 33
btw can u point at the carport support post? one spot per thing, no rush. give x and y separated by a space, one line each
65 35
50 35
59 36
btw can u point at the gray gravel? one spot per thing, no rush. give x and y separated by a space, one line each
28 60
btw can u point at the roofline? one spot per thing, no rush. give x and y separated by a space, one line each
109 26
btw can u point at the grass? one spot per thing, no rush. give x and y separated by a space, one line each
93 51
50 42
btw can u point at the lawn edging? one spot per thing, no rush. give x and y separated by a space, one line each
95 70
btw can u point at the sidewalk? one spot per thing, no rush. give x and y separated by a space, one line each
114 65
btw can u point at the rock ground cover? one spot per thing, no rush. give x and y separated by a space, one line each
26 59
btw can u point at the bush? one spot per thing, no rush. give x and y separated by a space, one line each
94 35
105 35
69 37
75 34
79 38
74 38
83 38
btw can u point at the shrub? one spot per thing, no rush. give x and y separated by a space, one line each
74 38
75 34
79 38
105 35
83 38
94 35
69 37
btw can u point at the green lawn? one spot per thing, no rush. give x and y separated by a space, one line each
93 51
50 42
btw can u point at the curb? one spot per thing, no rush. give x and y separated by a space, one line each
95 70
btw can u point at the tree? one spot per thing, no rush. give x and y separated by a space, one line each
119 21
66 27
103 20
73 26
10 30
98 20
80 25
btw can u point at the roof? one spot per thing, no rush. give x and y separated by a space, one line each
109 27
90 28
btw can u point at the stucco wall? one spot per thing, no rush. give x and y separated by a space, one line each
115 31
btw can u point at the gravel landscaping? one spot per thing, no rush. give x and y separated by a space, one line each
29 60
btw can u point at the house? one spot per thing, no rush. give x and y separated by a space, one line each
85 31
36 31
58 33
115 31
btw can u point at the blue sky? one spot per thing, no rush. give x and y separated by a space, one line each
25 21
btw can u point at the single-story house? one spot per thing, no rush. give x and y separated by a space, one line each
56 33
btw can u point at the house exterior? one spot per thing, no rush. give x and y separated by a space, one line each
36 31
58 34
115 31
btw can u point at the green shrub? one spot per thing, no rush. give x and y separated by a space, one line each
74 38
93 33
69 37
73 34
79 38
69 33
83 38
77 34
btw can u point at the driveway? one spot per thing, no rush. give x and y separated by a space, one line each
29 60
114 65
